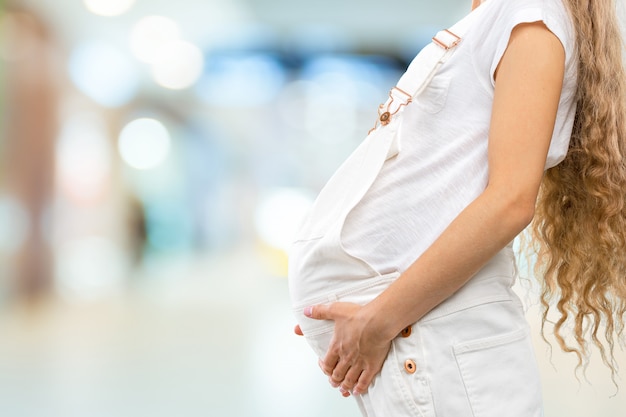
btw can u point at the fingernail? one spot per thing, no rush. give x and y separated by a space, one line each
356 392
334 384
308 311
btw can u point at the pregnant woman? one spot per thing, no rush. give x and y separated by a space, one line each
401 275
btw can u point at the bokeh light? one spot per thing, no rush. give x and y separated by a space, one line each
144 143
178 66
103 73
150 34
108 7
279 214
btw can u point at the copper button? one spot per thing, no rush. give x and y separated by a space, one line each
384 118
406 332
410 366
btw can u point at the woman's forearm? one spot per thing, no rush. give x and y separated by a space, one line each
476 235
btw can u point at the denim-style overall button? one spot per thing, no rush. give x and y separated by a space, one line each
410 366
406 332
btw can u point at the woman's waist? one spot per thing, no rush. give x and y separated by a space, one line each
491 284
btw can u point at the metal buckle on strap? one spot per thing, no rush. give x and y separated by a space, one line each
385 112
446 39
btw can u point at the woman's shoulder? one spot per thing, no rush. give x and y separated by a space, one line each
489 38
505 14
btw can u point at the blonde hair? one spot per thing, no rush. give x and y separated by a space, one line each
580 222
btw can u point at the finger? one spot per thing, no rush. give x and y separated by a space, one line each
330 361
332 311
351 378
365 379
344 392
297 330
339 372
318 312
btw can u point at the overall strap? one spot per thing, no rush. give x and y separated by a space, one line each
421 71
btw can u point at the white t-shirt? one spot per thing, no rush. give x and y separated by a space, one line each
442 166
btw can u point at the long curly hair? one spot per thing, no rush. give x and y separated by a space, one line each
580 222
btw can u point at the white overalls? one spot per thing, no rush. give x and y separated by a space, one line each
471 355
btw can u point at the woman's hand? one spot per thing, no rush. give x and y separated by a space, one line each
356 352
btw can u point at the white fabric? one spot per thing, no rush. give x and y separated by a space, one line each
442 166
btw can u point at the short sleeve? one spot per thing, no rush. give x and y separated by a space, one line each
506 15
519 15
528 15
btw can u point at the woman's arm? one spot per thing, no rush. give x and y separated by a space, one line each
527 90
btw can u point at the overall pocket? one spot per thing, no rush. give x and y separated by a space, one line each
500 375
434 96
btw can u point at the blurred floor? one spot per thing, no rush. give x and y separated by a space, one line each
194 337
199 336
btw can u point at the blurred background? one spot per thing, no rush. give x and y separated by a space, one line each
155 158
